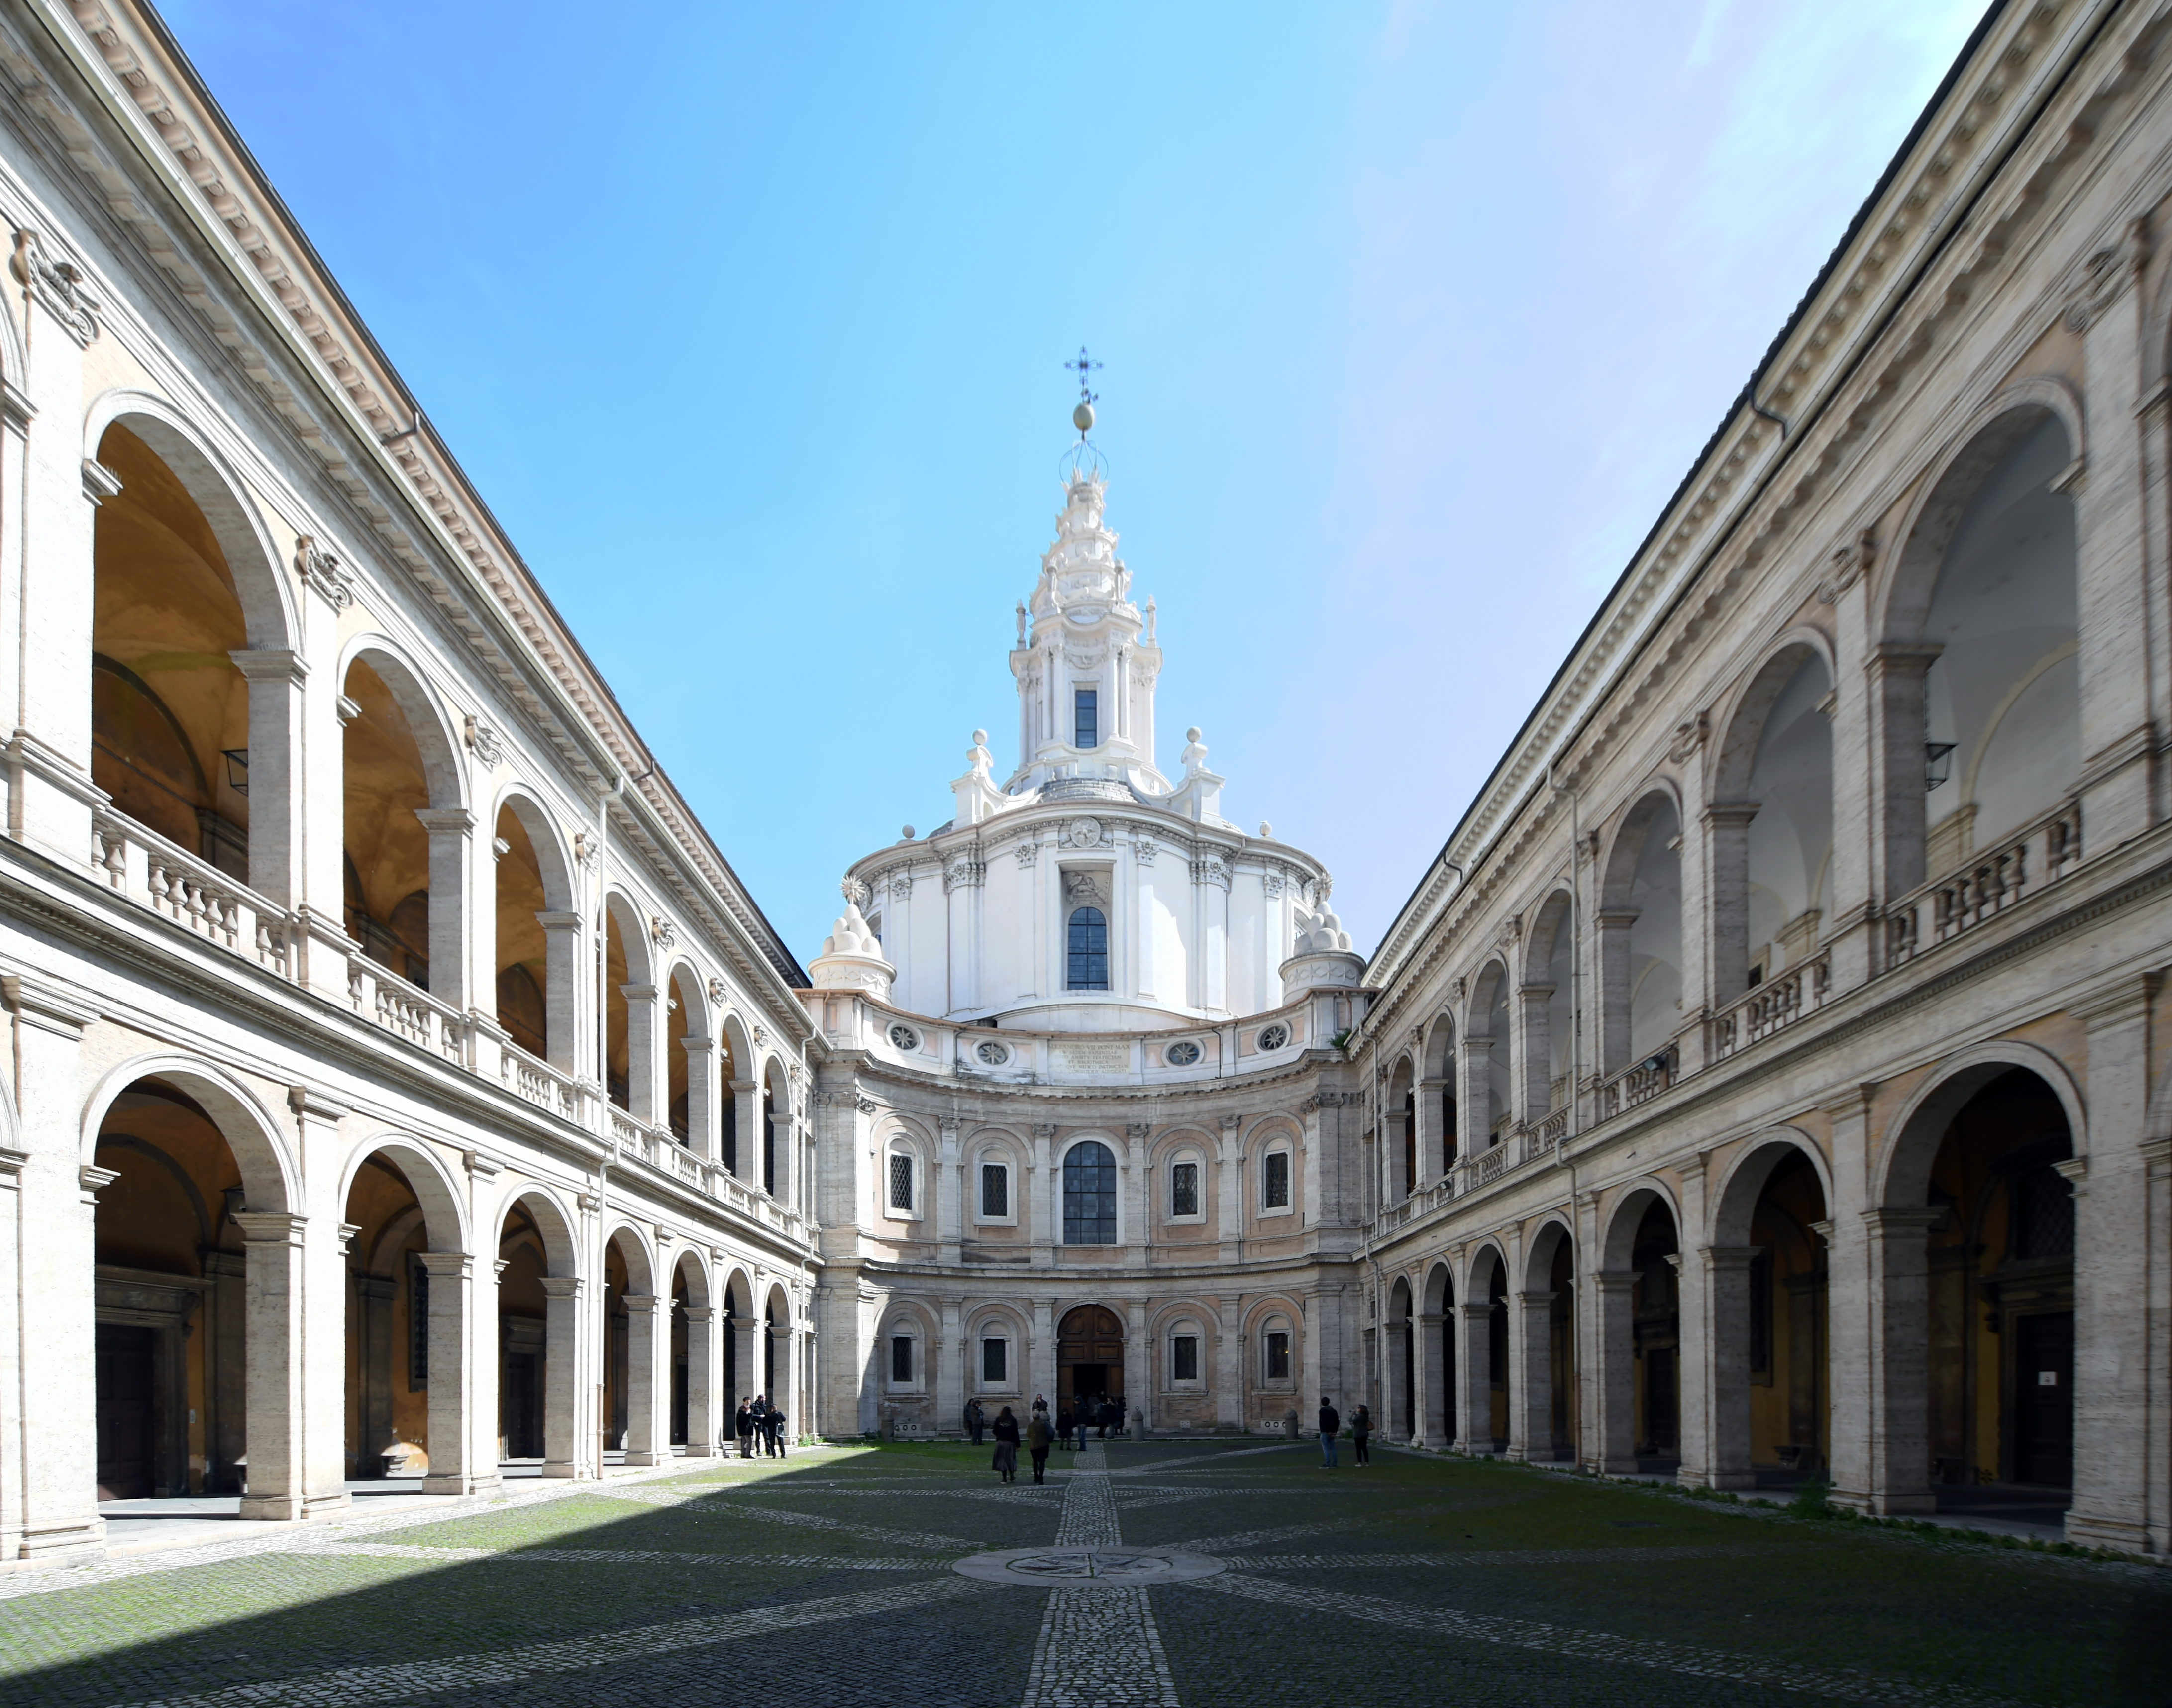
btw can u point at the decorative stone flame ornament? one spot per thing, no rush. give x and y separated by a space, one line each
1323 957
852 959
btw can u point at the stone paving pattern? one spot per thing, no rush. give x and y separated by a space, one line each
826 1580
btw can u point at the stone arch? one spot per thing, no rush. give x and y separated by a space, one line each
539 1318
1440 1092
1637 1365
738 1095
1169 1195
1016 1334
629 1030
1981 613
1438 1331
903 1198
1482 1351
535 952
690 1059
636 1315
1400 1363
1398 1127
1765 1274
1642 982
1548 1003
996 1146
1489 1044
735 1337
409 684
431 1181
777 1163
1257 1144
1270 1314
1771 815
261 1149
266 592
692 1360
1543 1327
1901 1174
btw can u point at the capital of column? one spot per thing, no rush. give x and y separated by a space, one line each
562 1287
446 821
698 1314
559 919
273 664
639 1304
1476 1314
269 1227
447 1265
1613 1280
1720 1257
1900 1222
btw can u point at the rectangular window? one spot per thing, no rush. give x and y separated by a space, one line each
1278 1357
995 1189
901 1358
995 1361
900 1181
1087 706
1184 1190
418 1324
1277 1181
1184 1358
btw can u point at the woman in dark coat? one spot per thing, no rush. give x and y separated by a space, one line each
1006 1432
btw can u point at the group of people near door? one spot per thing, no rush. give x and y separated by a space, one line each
758 1419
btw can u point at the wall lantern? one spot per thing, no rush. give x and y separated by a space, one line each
236 768
1938 763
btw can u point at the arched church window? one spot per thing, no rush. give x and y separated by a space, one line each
1090 1195
1089 951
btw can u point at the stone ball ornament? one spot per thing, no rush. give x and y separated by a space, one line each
1083 418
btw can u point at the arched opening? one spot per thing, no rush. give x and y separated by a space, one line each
172 1327
399 848
1401 1407
678 1088
681 1353
1497 1356
1086 950
1998 1333
629 1012
1440 1084
170 707
1656 1326
1640 938
1770 1384
1489 1049
776 1351
776 1130
2001 701
1090 1195
737 1322
407 1326
1089 1358
1784 855
1401 1116
1481 1357
1549 1017
735 1082
536 933
630 1332
1546 1347
536 1332
1440 1323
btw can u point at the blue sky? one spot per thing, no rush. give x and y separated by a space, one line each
748 321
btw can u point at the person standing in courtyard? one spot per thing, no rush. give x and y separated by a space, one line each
1007 1444
1038 1438
1065 1423
773 1432
1331 1426
1361 1433
743 1427
976 1421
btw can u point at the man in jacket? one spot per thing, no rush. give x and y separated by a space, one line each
1039 1438
773 1432
1331 1426
975 1421
743 1427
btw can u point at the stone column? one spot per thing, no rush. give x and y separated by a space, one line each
1611 946
745 1160
2157 1329
1432 1389
1613 1377
562 959
1532 1057
1848 1318
1045 1197
1229 1363
702 1122
1727 1383
1040 1355
1133 1184
948 1381
2113 1355
1138 1362
452 854
1898 1307
1897 771
1531 1375
1396 1379
1432 1133
1692 1364
1474 1408
1473 1107
1229 1192
642 1033
11 1240
701 1426
562 1376
458 1398
275 677
322 1327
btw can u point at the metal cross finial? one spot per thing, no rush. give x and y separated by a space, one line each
1082 365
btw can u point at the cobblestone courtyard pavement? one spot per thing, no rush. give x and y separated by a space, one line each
1192 1573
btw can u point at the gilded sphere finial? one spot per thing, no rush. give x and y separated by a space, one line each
1083 418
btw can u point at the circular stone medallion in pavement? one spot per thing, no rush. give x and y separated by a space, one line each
1117 1566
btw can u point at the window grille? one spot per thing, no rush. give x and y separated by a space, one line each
1090 1195
901 1358
1089 951
1278 1362
995 1189
995 1359
1184 1358
418 1324
1184 1190
1277 1181
900 1181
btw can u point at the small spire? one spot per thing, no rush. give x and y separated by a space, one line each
1150 620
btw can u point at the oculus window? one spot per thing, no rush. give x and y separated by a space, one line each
1184 1190
1090 1195
995 1189
900 1180
1088 951
1086 715
1276 1182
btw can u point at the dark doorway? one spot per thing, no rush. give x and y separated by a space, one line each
1089 1356
127 1411
522 1409
2043 1399
1497 1356
1409 1382
1449 1320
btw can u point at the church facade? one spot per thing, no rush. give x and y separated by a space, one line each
1764 1083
